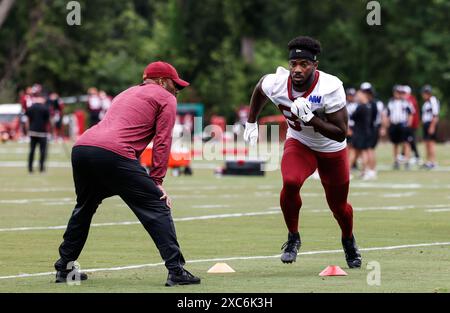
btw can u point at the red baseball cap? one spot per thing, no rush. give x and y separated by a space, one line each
164 70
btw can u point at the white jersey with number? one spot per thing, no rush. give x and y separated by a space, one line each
326 96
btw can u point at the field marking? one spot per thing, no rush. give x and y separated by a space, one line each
23 164
398 195
65 164
438 210
194 165
46 200
396 186
268 211
210 206
31 190
139 266
179 219
200 195
386 208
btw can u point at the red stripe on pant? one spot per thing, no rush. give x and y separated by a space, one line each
297 164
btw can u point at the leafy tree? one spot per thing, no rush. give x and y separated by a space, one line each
221 47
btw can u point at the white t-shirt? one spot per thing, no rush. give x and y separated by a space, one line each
430 109
326 95
351 108
399 110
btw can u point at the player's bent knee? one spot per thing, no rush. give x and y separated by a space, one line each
291 185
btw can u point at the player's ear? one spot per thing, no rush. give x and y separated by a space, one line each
316 64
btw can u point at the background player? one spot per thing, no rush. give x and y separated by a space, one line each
399 118
376 111
430 118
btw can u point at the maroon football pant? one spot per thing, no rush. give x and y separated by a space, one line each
297 164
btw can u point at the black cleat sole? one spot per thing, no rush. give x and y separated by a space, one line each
63 278
289 261
172 283
354 266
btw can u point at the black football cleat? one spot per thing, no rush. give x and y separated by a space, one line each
291 248
75 275
352 255
183 277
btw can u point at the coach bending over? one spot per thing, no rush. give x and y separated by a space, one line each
105 163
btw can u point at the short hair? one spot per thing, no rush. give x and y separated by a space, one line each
307 43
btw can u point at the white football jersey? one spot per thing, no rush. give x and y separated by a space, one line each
326 95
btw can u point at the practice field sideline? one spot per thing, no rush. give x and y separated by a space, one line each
402 221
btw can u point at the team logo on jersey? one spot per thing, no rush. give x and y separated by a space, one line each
315 99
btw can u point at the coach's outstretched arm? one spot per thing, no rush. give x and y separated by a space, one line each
257 103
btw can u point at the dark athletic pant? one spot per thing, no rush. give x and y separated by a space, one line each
99 174
297 164
42 142
411 138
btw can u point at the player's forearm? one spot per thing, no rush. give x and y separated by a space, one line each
257 103
328 130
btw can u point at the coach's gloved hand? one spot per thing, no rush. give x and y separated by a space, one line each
251 133
302 109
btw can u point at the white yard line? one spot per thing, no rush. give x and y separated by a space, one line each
378 185
438 210
268 211
45 200
195 165
210 206
32 190
139 266
201 195
179 219
16 164
24 164
398 195
386 208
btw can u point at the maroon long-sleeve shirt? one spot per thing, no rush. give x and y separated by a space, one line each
137 116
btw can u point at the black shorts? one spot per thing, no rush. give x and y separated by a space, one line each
360 141
397 133
374 136
410 134
427 136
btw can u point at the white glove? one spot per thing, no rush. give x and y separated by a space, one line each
302 109
251 133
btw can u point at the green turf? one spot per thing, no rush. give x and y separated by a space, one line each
390 211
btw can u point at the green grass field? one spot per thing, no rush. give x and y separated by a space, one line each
401 208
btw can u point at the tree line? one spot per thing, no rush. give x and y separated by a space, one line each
222 47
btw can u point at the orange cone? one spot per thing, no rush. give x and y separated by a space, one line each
333 270
221 268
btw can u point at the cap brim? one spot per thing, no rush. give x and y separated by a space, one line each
180 83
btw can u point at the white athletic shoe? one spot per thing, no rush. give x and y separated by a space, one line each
400 158
369 175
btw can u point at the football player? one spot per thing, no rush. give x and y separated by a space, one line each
314 105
